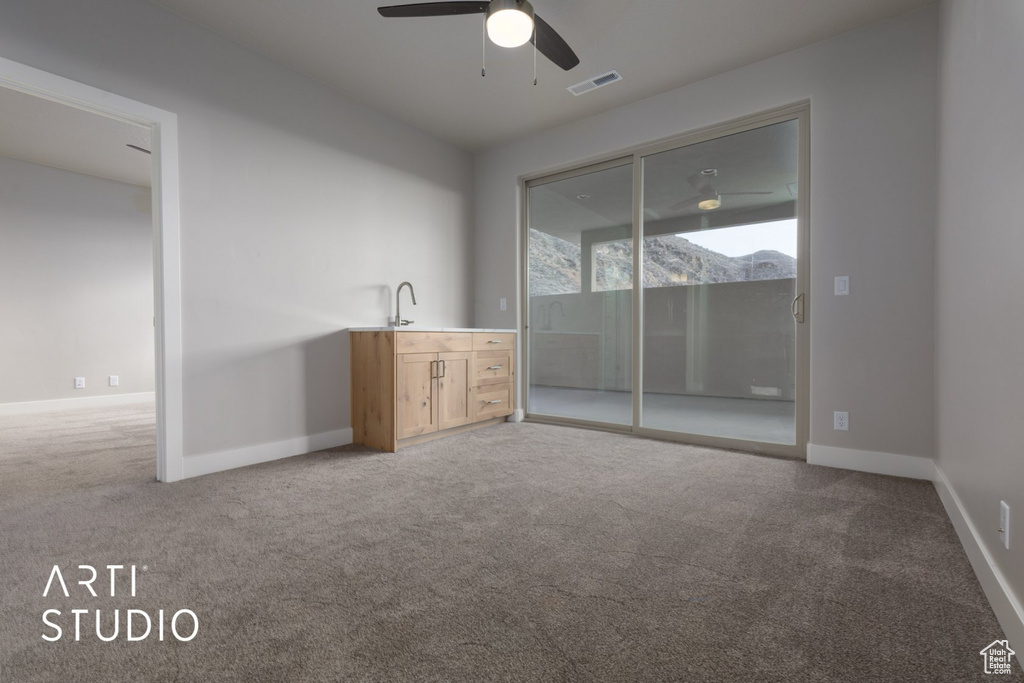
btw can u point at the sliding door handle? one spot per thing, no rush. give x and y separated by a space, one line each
798 307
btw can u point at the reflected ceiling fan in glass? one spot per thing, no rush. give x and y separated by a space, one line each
708 198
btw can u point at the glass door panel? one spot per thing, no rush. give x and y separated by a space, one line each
580 263
720 252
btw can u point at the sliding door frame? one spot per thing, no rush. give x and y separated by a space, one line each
799 112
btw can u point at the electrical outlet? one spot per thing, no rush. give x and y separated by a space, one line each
1004 523
841 421
503 304
114 380
79 383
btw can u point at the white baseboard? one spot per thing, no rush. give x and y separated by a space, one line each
1000 596
208 463
29 407
910 466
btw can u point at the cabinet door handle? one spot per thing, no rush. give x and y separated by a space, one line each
442 369
493 341
495 367
433 369
497 400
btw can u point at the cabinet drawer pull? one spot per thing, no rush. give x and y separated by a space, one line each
497 400
493 341
496 367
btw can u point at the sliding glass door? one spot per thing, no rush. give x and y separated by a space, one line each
698 333
720 270
580 254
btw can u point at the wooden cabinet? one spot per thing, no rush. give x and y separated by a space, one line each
411 386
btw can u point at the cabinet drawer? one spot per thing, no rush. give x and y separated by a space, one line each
492 341
492 401
492 367
433 342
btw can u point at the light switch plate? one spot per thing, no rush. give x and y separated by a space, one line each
843 285
114 380
503 304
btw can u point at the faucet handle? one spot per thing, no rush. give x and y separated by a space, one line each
407 322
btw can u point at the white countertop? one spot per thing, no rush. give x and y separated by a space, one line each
410 328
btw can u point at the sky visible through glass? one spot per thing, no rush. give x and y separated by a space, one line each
741 240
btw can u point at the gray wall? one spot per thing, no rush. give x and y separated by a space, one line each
979 252
76 284
873 130
300 209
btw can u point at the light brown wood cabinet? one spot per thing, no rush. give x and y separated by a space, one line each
409 386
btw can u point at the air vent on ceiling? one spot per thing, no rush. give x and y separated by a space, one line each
595 83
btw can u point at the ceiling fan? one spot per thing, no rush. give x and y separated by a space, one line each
509 23
707 197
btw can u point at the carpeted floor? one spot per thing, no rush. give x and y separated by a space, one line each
517 553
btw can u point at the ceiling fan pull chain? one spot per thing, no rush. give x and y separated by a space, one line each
483 50
535 53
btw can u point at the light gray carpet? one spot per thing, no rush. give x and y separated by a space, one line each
517 553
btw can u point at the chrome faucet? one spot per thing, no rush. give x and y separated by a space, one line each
398 322
544 314
551 311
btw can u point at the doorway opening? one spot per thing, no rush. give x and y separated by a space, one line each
66 181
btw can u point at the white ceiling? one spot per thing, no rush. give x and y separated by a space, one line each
52 134
427 71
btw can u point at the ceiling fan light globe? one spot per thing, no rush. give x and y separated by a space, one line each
509 23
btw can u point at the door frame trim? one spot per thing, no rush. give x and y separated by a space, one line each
163 127
799 111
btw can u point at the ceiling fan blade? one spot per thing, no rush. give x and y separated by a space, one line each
433 9
736 194
553 46
687 202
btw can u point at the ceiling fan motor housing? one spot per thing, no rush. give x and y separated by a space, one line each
518 5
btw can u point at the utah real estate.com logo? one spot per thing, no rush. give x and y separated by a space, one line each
997 657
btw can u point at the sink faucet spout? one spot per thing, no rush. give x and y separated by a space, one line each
398 321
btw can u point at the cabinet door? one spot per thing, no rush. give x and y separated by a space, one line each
453 395
417 394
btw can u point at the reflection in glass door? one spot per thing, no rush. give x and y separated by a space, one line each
720 258
580 273
665 289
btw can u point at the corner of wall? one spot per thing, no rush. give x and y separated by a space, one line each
1004 601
